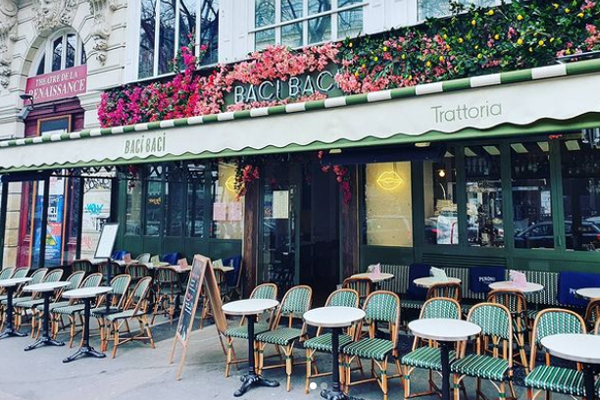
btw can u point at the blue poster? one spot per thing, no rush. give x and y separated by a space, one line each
54 228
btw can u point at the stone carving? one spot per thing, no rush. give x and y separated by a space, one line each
102 29
8 35
52 14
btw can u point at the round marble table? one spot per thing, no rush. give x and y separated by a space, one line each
529 287
588 293
87 295
46 289
429 281
445 332
375 278
250 308
581 348
11 286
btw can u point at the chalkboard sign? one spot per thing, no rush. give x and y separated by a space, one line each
107 240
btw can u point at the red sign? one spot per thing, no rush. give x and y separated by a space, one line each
58 85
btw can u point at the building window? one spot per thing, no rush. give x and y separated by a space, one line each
388 204
133 208
581 194
441 211
531 195
174 201
443 8
298 23
228 209
168 25
61 51
154 200
196 195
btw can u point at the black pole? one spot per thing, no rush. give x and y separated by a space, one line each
3 211
445 359
44 227
108 279
80 222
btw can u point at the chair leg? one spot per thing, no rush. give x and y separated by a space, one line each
148 331
71 330
115 338
288 366
406 380
384 380
308 370
456 381
229 356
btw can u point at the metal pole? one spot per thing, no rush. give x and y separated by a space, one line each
80 213
3 210
44 227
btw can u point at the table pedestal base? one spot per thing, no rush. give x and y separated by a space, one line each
44 341
85 351
335 395
9 331
251 380
12 333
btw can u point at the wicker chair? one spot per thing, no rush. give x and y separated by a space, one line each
23 304
168 289
83 265
295 303
363 286
137 272
592 313
449 290
496 328
380 306
103 268
6 273
143 258
547 377
322 342
262 291
120 285
428 356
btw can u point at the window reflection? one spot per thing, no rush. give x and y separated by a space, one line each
154 199
57 48
166 38
71 46
532 210
209 32
147 34
441 212
291 9
133 208
195 200
174 201
319 30
228 209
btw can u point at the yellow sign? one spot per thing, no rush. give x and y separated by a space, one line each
230 183
389 180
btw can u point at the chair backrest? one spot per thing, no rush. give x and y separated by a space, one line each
496 324
92 280
592 313
441 307
167 275
138 295
514 300
120 284
82 265
53 276
265 291
451 290
363 286
295 303
343 298
21 272
554 321
137 271
597 329
383 306
7 273
38 275
114 268
75 280
143 258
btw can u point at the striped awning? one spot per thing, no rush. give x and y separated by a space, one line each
553 98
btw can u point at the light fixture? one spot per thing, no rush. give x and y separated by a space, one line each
519 148
230 183
422 144
441 173
389 180
335 151
24 112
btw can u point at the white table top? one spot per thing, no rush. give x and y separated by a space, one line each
589 293
161 264
529 287
249 306
86 292
333 317
13 282
383 276
45 286
443 329
430 281
224 269
577 347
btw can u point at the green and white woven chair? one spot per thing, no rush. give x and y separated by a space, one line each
496 329
83 265
135 308
428 356
380 307
592 314
36 277
295 303
120 285
6 273
262 291
23 304
322 342
549 378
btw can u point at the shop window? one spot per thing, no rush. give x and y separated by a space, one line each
485 225
61 51
228 210
531 195
133 212
581 194
168 25
444 8
196 195
441 211
388 204
174 201
154 200
96 212
302 22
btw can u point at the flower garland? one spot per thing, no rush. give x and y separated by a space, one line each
245 174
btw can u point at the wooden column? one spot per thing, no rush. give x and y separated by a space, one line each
251 241
350 229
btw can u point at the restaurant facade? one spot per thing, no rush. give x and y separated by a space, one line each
359 148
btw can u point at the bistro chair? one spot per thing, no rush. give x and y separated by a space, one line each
322 341
120 285
135 309
597 329
550 378
428 356
137 272
83 265
363 286
72 308
23 303
380 307
592 313
103 268
168 290
294 304
6 273
516 303
262 291
143 258
233 280
451 290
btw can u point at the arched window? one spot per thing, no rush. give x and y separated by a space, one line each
61 51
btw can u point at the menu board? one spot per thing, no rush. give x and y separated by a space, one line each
281 204
106 243
190 299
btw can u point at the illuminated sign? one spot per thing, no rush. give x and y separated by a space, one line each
389 180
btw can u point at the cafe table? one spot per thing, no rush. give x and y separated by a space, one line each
588 293
429 281
581 348
250 308
87 295
446 332
11 286
376 278
334 318
529 287
46 289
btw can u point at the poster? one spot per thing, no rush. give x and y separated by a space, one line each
219 211
281 204
235 211
53 234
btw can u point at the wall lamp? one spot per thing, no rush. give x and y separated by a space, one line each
22 115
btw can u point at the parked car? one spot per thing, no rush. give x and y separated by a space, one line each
541 235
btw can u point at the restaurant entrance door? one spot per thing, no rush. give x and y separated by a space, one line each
300 228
